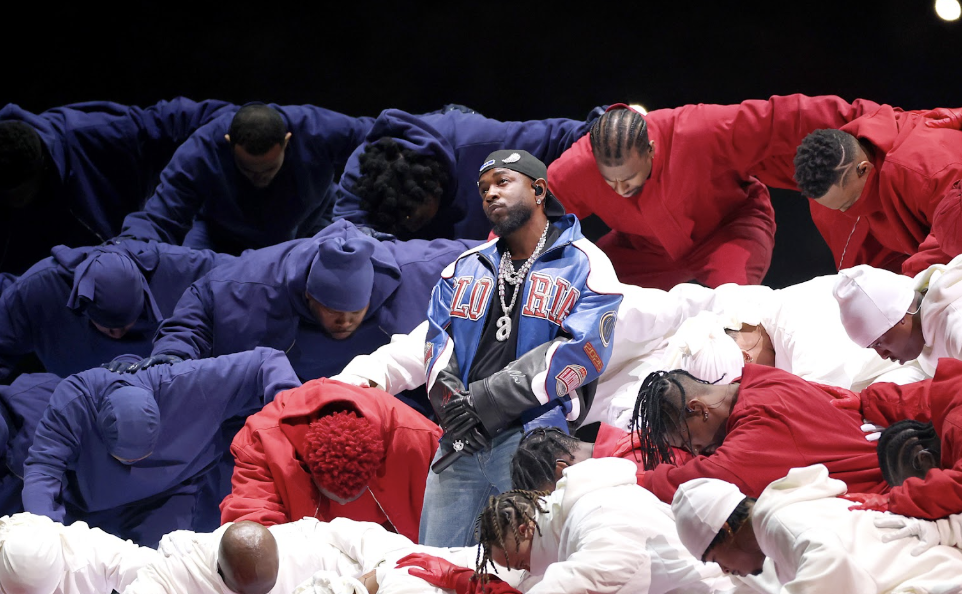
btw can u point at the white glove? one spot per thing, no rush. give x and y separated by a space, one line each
873 431
927 532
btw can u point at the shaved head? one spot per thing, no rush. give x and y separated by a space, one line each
247 559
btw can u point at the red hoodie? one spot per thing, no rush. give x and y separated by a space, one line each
938 400
271 483
914 168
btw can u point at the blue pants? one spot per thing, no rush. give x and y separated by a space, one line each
455 498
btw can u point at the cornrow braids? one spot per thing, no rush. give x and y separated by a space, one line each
823 160
659 413
895 436
616 133
505 512
533 464
395 181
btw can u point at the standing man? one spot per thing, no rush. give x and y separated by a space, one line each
881 177
683 189
516 327
69 175
253 177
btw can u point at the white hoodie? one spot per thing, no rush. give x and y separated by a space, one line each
604 534
941 313
818 545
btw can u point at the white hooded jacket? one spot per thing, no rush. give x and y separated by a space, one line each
604 534
941 313
818 545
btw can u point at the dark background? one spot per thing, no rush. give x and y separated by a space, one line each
508 60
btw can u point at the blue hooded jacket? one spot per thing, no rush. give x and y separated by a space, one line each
260 300
21 405
105 160
35 317
460 141
69 471
202 180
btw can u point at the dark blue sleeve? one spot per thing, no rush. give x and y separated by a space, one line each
194 171
347 205
546 139
55 450
253 378
189 331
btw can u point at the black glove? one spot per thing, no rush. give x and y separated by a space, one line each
154 360
118 366
458 413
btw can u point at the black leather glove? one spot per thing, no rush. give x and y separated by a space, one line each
154 360
118 366
469 441
458 413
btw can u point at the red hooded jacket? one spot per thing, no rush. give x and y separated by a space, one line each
939 401
272 485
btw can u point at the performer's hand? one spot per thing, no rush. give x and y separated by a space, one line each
868 501
927 532
458 413
372 232
944 117
118 366
843 399
469 441
439 572
872 431
154 360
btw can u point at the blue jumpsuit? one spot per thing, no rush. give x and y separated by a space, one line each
260 300
202 180
34 317
104 161
70 475
21 405
460 141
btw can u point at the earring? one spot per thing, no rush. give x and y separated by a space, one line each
706 415
538 201
750 359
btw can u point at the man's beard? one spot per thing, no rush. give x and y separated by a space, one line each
514 219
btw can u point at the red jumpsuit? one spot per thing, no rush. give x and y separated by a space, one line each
271 483
780 422
938 400
914 168
704 213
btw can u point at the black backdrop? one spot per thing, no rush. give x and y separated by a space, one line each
509 60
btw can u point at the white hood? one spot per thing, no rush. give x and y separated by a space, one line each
591 475
809 483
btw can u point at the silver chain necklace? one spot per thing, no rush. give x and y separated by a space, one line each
507 273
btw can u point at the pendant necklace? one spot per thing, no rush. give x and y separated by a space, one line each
507 273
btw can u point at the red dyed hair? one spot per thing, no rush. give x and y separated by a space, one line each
343 452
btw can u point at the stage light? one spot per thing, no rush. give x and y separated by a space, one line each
948 10
639 108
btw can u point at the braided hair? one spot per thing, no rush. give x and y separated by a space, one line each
821 159
660 410
616 133
395 181
894 438
502 516
21 153
533 464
